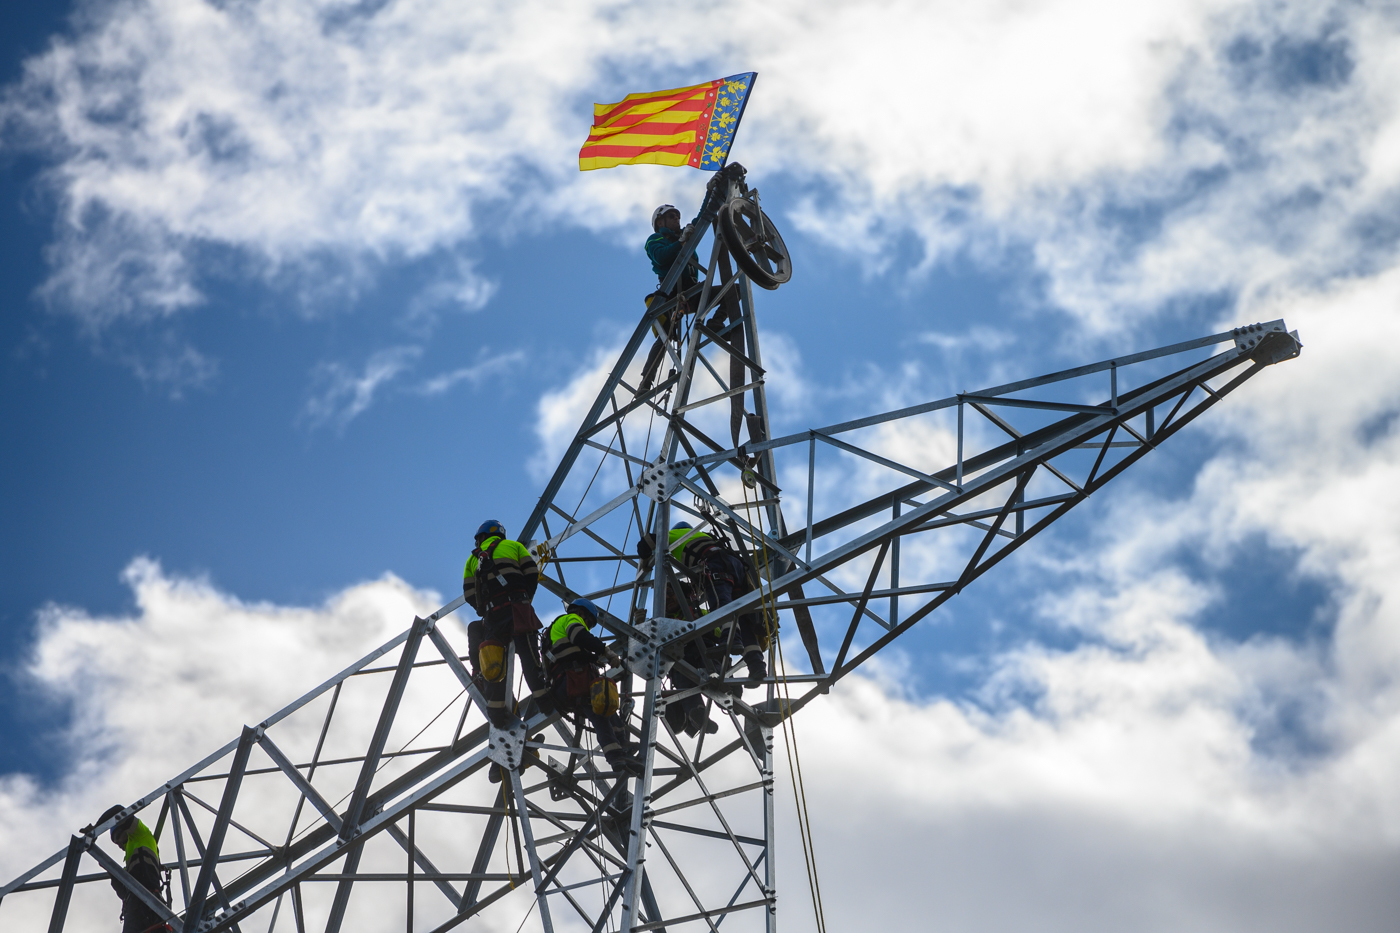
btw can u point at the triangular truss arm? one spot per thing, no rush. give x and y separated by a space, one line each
345 811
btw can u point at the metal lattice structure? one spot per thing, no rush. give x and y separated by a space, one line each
313 820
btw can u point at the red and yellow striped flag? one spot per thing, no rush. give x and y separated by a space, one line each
685 126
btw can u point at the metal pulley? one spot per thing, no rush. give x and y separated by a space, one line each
755 243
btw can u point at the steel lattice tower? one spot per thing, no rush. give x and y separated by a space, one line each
313 821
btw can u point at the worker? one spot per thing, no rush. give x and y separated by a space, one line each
724 575
574 656
667 241
499 581
142 863
687 714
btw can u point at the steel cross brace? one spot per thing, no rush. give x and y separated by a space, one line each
998 476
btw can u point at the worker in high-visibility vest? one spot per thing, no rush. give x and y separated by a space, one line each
687 714
142 863
499 581
724 575
573 656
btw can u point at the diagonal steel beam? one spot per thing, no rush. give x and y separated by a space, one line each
123 877
194 915
381 729
589 422
522 814
76 847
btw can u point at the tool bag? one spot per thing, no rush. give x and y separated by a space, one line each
577 683
491 660
603 696
587 690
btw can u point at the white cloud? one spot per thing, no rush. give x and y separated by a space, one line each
475 374
981 338
1115 785
1137 152
560 411
464 290
153 692
340 395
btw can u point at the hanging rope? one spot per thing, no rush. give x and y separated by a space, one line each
799 786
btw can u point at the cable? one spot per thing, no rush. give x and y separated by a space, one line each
799 785
389 758
527 914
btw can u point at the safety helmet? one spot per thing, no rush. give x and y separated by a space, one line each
657 214
121 825
490 529
585 608
681 525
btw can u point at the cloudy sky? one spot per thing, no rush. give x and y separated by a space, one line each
295 292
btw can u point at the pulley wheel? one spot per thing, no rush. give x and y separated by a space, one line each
755 243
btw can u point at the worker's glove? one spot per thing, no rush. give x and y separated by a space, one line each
687 231
645 547
613 658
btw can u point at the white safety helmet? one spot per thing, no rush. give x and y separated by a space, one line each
657 214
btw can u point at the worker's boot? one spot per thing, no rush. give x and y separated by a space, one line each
531 756
652 365
499 714
758 670
623 766
675 716
696 720
537 705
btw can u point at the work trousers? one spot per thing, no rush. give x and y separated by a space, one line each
692 707
604 727
506 625
727 577
136 916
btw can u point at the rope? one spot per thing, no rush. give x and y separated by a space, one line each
527 914
601 460
799 785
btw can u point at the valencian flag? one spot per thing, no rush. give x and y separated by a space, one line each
686 126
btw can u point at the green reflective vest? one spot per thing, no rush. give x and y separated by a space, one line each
691 536
139 837
516 572
560 629
507 551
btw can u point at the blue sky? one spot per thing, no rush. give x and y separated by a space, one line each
221 224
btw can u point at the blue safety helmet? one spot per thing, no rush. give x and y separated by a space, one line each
585 608
679 525
490 529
